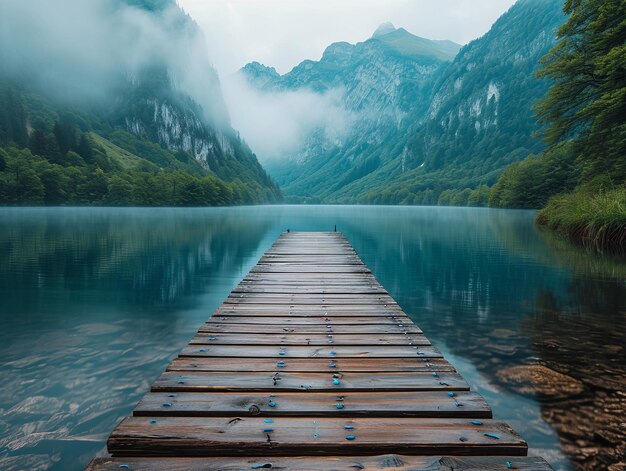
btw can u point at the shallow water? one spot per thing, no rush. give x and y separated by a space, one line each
94 302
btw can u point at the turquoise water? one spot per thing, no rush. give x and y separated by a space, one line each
94 302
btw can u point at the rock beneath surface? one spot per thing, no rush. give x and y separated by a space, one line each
538 380
502 334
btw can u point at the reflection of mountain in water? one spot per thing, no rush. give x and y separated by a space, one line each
146 258
447 259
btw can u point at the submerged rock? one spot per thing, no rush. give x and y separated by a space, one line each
538 380
502 334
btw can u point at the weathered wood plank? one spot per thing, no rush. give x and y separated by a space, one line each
319 259
389 310
335 381
318 328
305 299
280 268
320 308
206 436
312 352
330 338
312 319
326 463
321 312
311 277
310 365
313 290
465 404
304 282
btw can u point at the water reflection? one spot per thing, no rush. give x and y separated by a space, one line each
94 302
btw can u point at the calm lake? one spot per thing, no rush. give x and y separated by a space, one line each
94 302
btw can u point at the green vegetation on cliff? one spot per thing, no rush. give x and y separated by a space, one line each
51 154
584 168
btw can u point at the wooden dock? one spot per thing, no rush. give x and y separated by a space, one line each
309 364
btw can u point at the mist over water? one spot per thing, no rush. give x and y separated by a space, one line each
94 303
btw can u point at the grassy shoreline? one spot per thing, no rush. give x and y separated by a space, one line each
593 220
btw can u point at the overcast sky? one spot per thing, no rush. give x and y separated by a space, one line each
282 33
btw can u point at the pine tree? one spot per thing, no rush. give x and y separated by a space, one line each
38 142
587 102
65 134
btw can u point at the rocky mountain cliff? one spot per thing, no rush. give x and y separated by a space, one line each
383 83
427 122
162 104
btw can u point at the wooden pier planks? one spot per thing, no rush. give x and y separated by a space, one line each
369 463
308 363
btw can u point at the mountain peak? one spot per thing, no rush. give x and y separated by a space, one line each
383 29
407 44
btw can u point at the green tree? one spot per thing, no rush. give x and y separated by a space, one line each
22 184
55 183
120 191
65 134
587 101
84 148
97 187
12 118
38 142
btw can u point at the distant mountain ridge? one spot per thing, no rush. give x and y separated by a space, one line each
440 123
368 75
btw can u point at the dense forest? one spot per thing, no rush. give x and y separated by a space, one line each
582 174
60 161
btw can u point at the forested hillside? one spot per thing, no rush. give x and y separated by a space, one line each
582 174
149 128
480 117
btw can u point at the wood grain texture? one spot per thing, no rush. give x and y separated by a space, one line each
289 338
298 351
311 365
209 436
325 463
319 327
315 319
326 312
284 381
370 404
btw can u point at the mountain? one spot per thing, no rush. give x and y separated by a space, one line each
431 126
151 106
480 117
383 84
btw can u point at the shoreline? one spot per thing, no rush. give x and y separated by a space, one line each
593 221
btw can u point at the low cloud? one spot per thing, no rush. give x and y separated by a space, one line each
277 123
79 49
